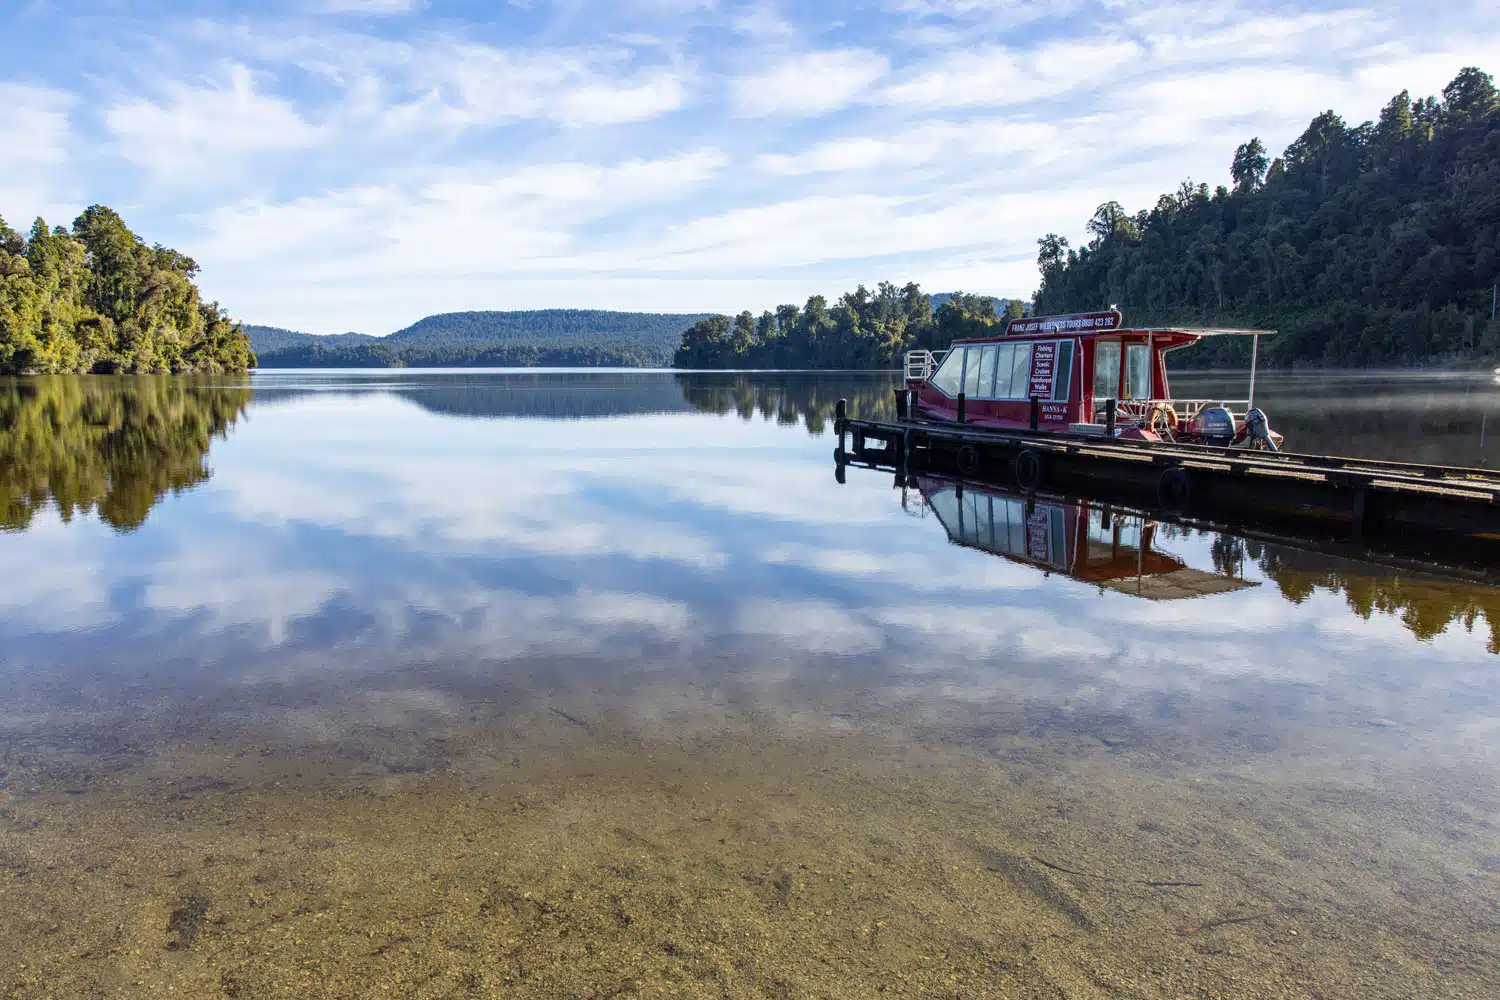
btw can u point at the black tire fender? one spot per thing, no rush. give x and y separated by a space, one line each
1027 467
1174 490
968 459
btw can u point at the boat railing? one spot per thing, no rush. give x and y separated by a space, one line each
1147 411
922 365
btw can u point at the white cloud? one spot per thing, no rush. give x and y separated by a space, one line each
483 220
808 626
598 104
810 84
37 141
441 164
481 85
996 76
201 128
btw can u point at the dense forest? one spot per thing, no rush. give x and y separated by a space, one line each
863 329
115 446
96 298
1366 245
540 337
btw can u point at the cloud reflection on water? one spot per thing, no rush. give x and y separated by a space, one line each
362 560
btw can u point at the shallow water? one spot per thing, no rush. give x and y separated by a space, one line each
598 684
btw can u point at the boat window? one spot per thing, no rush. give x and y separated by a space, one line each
987 371
1138 371
1059 539
1106 369
971 373
1005 357
1020 373
974 515
1015 528
948 379
1062 381
944 504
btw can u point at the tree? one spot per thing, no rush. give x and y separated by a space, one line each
864 329
1471 94
1249 167
1111 220
1052 253
743 336
11 242
786 319
1395 123
704 343
96 298
765 328
1376 244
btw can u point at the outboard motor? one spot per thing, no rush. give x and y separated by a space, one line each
1258 428
1212 425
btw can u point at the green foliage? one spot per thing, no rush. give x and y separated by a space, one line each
1249 166
864 329
97 299
111 445
1367 245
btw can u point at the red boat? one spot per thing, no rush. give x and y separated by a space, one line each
1082 374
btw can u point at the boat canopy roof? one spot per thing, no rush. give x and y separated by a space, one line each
1093 324
1198 331
1180 331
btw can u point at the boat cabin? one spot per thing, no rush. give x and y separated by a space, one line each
1064 374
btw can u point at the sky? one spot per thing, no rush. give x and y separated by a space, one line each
357 164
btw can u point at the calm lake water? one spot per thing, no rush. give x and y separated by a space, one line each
465 684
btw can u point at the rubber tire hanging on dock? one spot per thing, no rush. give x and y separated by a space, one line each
1027 468
968 459
1174 490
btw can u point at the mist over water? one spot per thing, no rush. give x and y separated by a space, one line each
520 683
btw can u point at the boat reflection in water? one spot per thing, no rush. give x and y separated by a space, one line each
1111 548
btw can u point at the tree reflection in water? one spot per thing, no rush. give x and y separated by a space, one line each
793 397
1132 553
106 444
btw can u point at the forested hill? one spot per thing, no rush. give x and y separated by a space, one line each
96 298
270 339
862 329
553 337
1366 245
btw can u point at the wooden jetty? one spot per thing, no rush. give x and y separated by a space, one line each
1357 499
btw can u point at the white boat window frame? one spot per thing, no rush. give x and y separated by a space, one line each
989 355
973 377
1020 373
1119 353
1062 379
959 354
1137 349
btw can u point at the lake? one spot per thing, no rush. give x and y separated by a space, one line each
598 684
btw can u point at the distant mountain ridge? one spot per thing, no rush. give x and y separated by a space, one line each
490 338
269 339
528 337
